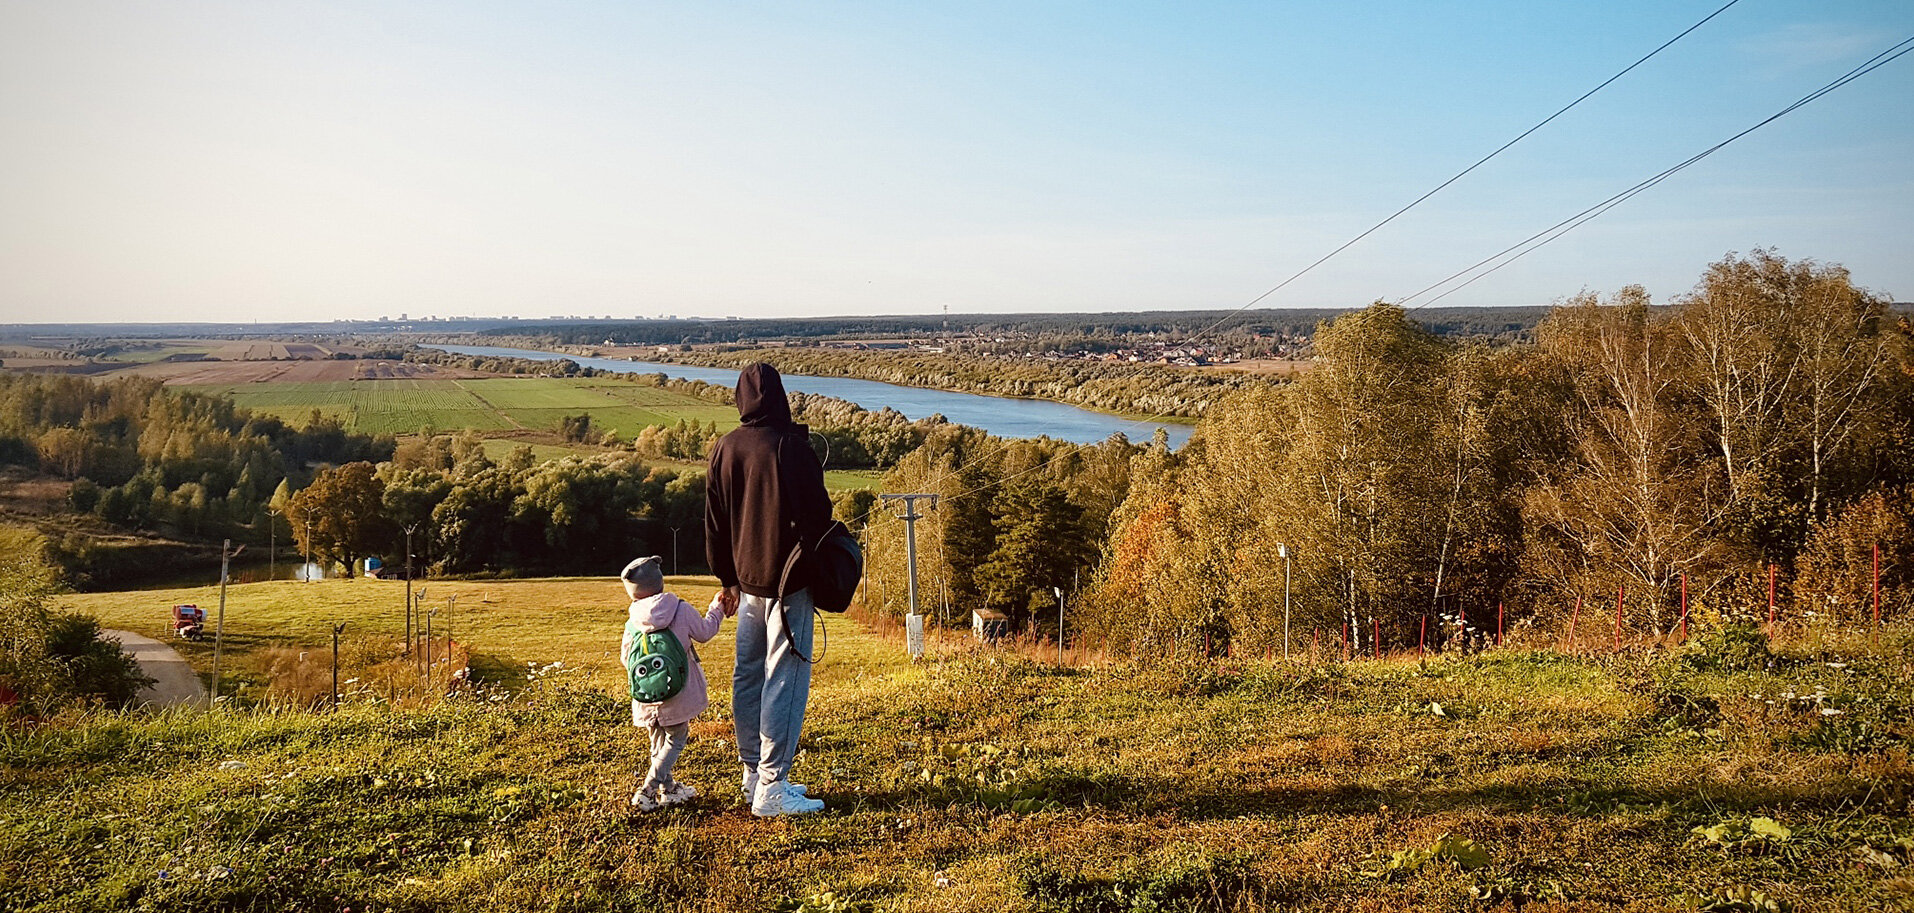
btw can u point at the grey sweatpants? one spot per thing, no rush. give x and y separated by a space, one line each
666 744
771 682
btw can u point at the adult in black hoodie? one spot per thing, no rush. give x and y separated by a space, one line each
764 494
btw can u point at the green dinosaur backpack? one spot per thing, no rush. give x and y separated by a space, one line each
656 664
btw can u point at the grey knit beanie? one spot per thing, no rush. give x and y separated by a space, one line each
647 574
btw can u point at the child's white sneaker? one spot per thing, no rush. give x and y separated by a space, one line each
774 799
644 801
678 794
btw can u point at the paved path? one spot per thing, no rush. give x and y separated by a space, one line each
175 681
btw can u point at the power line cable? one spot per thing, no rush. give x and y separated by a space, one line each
1212 327
1535 241
1458 175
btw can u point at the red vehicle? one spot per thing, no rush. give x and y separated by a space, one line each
189 622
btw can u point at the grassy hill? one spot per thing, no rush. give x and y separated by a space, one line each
1721 777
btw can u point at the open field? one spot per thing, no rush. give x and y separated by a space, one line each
480 403
1719 778
224 373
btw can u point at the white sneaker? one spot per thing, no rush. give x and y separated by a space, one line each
751 785
678 794
774 800
644 801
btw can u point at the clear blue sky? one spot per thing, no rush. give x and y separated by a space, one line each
297 160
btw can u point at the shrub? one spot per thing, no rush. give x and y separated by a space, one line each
48 658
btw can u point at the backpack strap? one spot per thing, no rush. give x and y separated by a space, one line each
784 580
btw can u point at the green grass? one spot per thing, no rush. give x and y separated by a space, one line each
488 404
370 406
626 408
1508 780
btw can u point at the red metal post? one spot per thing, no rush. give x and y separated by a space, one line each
1375 637
1621 593
1345 641
1684 607
1771 570
1876 636
1498 624
1422 641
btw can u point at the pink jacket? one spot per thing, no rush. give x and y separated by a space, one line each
665 610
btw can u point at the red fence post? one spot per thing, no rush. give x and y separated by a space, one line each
1345 641
1375 637
1876 634
1684 607
1620 594
1771 569
1422 640
1498 624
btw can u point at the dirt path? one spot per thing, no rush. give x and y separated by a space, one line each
176 682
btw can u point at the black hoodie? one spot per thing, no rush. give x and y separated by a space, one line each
764 490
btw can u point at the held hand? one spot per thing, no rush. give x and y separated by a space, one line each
728 598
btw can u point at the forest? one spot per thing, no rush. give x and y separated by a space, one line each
1746 446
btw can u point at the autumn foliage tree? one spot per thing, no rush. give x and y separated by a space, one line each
340 517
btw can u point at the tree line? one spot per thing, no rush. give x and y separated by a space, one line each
1758 429
145 458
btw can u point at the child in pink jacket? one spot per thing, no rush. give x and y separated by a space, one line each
667 721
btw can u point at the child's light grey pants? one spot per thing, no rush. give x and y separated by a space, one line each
666 743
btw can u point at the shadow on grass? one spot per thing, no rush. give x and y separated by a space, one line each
1573 796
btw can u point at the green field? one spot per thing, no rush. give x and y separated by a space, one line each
1720 777
370 406
490 404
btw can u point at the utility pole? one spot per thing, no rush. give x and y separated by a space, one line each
1059 591
409 527
1282 551
272 543
910 517
226 554
307 570
419 609
336 631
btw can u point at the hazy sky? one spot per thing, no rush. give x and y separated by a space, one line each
288 160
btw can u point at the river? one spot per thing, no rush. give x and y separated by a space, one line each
1000 415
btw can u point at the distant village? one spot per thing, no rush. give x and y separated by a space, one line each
1141 349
